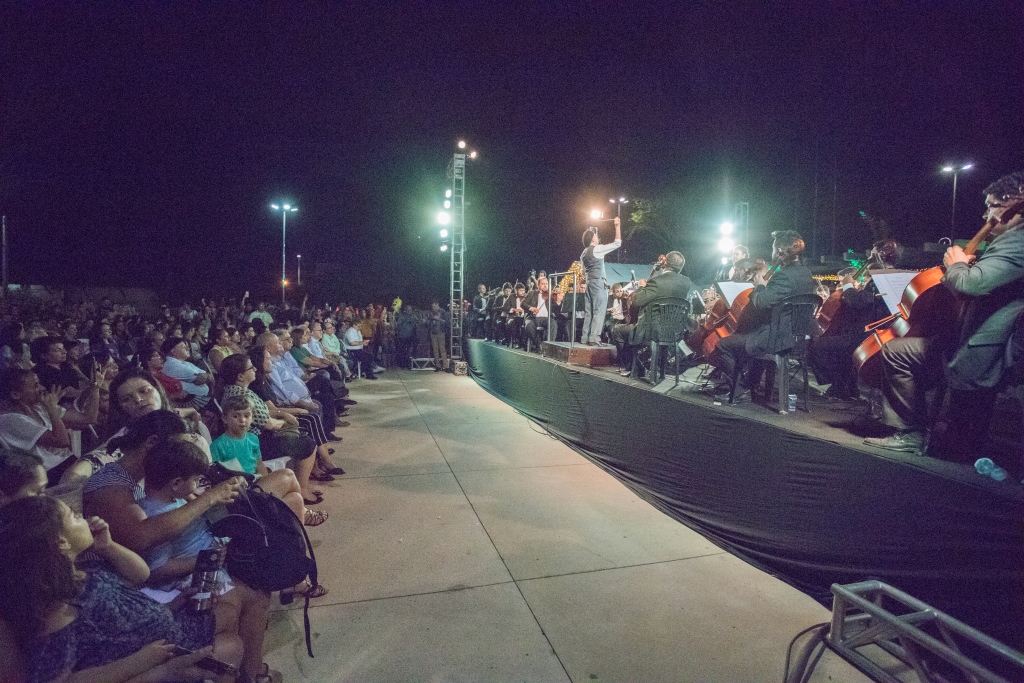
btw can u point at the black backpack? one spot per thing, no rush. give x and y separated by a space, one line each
269 548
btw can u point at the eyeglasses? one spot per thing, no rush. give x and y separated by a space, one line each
251 367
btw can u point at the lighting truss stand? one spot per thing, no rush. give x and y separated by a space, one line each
457 175
874 613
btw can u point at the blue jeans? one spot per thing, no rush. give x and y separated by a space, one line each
595 308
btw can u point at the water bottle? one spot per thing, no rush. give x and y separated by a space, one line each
986 467
792 402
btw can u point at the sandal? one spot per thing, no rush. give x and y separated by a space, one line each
334 470
321 477
267 675
319 499
317 591
314 517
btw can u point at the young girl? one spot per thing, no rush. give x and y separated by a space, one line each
84 623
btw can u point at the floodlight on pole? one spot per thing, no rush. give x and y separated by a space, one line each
596 213
726 228
447 194
726 243
444 234
285 209
955 170
462 144
447 204
444 247
443 218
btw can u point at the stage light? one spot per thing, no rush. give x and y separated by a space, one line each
726 243
447 203
726 228
472 155
596 213
725 260
447 193
444 247
444 218
462 144
444 233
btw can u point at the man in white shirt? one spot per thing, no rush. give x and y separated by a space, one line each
596 302
352 340
194 381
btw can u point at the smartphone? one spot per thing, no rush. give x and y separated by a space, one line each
209 663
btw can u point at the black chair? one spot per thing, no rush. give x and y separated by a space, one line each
789 337
666 326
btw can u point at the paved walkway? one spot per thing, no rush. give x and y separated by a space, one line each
465 544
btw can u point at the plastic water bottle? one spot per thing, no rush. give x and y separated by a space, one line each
792 402
986 467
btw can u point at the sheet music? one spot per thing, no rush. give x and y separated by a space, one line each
890 284
731 290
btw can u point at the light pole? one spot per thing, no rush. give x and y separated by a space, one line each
955 171
618 212
298 269
285 209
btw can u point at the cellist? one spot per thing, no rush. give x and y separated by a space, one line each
831 353
972 358
788 277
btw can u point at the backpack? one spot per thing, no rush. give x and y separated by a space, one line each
269 549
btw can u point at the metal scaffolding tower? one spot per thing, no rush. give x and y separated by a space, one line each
457 175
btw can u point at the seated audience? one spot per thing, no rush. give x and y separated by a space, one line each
193 379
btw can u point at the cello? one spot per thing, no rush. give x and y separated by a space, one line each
728 324
831 309
940 305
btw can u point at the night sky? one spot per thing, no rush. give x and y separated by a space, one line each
141 143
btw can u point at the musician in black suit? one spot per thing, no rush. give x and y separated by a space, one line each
831 353
790 277
973 360
515 315
537 305
480 322
668 286
727 271
498 319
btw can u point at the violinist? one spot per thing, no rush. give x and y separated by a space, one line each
831 353
616 312
668 286
971 359
481 317
499 319
538 312
787 278
514 315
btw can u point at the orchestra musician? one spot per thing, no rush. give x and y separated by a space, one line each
481 313
561 316
787 278
727 271
538 310
972 360
831 354
596 300
514 315
616 313
667 286
499 319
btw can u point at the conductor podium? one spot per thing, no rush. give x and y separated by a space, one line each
580 354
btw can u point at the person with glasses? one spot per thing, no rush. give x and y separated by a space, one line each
970 357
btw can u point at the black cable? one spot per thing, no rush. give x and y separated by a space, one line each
789 650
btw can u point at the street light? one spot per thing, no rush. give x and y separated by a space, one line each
619 202
955 171
285 209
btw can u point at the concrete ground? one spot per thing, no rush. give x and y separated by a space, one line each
465 544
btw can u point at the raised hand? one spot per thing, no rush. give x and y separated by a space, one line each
101 539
